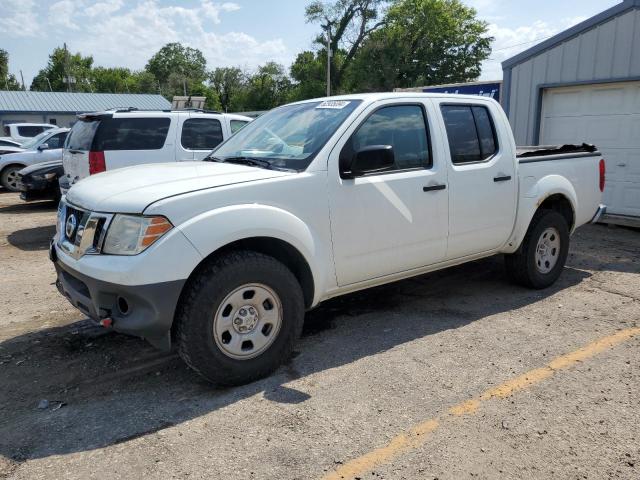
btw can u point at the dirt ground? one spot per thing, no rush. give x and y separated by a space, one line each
385 384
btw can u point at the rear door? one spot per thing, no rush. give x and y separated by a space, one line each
201 133
482 180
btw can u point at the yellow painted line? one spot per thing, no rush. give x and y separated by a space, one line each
418 435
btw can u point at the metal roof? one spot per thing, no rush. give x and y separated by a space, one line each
64 102
574 31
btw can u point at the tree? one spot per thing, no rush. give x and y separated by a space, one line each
230 85
351 22
111 80
8 81
175 65
424 42
61 67
268 87
309 71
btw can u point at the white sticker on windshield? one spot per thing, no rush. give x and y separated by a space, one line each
334 104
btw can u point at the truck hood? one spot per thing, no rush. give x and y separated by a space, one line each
133 189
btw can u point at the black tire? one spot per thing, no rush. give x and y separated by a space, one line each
203 296
521 266
7 179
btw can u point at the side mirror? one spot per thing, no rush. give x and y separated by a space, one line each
44 146
372 159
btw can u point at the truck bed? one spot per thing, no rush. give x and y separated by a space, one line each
539 153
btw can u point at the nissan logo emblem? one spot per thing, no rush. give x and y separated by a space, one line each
70 226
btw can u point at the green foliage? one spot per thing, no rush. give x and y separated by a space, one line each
175 65
62 65
424 42
8 81
229 85
268 87
350 23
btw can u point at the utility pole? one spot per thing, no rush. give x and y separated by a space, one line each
329 53
22 77
50 89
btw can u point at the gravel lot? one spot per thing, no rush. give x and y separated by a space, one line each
368 395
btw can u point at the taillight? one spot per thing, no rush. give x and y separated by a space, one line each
603 171
96 163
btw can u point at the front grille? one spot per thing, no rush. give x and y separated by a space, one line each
81 232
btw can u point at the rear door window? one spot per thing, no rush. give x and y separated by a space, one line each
131 134
470 132
201 134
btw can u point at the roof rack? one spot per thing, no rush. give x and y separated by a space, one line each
201 110
124 109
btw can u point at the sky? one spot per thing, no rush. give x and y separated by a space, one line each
243 33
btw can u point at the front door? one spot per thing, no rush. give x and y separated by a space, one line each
394 221
482 179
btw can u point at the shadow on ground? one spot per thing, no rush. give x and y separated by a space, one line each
29 207
31 239
104 389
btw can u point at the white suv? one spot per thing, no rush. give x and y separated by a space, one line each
120 138
21 132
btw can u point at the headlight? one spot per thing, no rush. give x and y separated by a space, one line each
132 234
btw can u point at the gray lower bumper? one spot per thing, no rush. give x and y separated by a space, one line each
149 308
599 213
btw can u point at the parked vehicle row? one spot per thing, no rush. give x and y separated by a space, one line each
121 138
311 201
45 147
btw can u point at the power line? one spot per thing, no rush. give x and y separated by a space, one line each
523 43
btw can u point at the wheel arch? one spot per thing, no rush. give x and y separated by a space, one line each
265 229
552 192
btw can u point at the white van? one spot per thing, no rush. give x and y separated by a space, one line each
120 138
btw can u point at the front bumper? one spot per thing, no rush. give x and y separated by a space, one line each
38 190
143 310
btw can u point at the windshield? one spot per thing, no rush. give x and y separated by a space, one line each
288 137
33 142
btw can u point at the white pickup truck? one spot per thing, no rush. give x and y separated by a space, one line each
311 201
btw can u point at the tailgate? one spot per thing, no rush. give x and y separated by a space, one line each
76 164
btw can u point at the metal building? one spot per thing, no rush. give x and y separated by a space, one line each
61 108
583 85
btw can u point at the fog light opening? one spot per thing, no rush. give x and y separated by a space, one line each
123 305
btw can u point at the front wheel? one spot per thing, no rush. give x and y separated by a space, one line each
543 253
239 318
10 179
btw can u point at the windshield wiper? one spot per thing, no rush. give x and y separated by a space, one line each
252 162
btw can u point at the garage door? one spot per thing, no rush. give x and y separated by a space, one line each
607 115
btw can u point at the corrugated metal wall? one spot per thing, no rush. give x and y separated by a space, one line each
603 53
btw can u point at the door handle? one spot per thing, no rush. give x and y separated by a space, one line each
505 178
433 188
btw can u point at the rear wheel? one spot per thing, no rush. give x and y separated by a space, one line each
9 178
239 318
543 253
